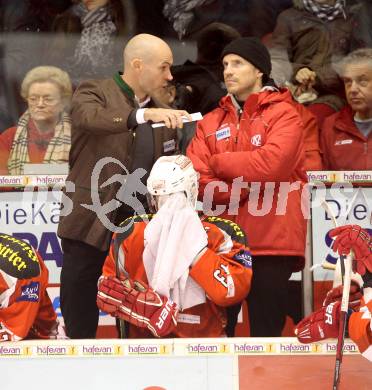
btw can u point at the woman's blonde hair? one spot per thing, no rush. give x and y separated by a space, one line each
52 74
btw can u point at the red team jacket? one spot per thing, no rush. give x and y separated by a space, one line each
25 307
344 147
263 144
227 254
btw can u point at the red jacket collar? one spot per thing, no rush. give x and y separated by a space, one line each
345 122
257 100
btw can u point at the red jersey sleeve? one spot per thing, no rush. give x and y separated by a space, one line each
109 267
125 253
224 269
25 308
20 313
360 325
45 325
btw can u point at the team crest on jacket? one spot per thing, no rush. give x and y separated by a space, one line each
256 140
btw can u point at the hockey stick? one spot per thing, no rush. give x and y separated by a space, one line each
345 263
120 324
346 268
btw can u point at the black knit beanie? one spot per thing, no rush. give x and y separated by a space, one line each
252 50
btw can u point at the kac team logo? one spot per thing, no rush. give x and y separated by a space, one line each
256 140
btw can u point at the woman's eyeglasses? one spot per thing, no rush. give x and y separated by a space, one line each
47 100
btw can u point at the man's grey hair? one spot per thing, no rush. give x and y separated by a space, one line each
355 57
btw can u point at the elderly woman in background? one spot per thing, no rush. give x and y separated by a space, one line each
43 133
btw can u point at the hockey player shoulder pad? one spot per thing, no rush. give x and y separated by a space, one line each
231 228
18 258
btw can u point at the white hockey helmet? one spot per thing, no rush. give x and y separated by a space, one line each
171 174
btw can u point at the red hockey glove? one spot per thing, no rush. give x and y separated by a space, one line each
138 304
335 295
319 325
355 238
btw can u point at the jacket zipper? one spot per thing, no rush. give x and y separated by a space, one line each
239 112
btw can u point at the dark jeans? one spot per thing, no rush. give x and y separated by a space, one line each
82 266
268 298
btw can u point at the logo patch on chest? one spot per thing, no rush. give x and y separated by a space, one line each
344 142
256 140
223 133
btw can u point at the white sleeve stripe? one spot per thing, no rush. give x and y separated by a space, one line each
121 261
11 281
367 294
368 353
227 244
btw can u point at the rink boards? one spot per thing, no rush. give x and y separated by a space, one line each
212 364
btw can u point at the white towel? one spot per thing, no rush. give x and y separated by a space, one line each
173 239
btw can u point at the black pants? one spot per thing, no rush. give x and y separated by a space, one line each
268 298
82 266
232 313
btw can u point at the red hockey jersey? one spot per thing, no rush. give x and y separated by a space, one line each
25 307
224 271
360 325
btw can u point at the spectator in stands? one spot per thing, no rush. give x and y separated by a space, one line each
203 79
86 42
313 158
111 118
29 15
307 39
346 136
43 133
23 38
249 17
362 31
256 134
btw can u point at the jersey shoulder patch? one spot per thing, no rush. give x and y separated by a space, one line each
18 258
128 226
231 228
